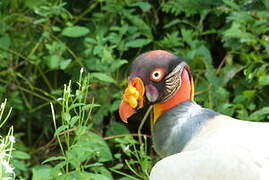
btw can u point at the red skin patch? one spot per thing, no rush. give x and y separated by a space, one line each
183 94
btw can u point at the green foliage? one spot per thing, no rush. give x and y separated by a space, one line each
6 146
44 44
234 80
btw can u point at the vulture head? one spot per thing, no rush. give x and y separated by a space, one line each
159 78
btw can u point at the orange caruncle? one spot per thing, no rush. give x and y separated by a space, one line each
131 96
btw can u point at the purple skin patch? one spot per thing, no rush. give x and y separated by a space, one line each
152 93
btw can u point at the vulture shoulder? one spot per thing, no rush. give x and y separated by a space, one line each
224 149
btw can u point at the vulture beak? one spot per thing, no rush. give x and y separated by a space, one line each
133 98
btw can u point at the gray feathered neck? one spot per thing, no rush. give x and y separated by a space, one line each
177 126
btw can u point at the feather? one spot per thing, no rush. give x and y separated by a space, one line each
224 148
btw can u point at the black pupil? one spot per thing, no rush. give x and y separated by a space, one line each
156 74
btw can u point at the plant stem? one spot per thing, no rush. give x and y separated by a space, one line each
142 124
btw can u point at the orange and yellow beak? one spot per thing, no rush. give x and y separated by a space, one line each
133 99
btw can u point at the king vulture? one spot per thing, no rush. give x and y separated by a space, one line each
195 143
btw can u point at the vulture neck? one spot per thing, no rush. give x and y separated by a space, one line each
184 93
178 126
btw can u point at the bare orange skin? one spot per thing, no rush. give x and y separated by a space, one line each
183 94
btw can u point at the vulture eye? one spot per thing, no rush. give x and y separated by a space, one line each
157 74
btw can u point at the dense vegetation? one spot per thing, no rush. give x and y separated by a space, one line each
64 65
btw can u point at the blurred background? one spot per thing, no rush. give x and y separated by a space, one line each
64 65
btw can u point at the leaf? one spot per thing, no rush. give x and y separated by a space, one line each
20 165
20 155
116 128
138 23
60 129
137 43
66 116
90 106
231 4
74 120
103 77
75 175
115 105
76 105
126 178
102 170
144 6
5 42
42 173
230 72
249 93
117 64
65 63
172 23
89 145
260 114
187 35
33 3
75 31
54 158
53 61
264 80
98 144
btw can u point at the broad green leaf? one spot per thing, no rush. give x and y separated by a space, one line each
56 28
20 155
137 43
260 115
74 120
118 166
264 80
187 36
115 105
42 173
117 64
54 158
144 6
33 3
103 77
53 61
102 170
20 165
75 31
229 73
87 146
65 63
249 93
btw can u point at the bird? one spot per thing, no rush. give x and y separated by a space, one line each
194 143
